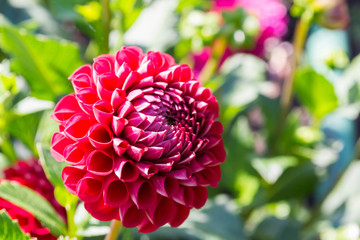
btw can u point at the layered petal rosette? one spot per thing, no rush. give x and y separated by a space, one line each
141 137
30 174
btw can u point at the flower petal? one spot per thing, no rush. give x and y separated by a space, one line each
100 163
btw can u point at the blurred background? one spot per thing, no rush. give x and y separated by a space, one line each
285 73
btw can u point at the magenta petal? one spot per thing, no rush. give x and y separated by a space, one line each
117 98
107 83
181 215
134 94
58 143
180 174
142 193
125 108
86 98
148 138
125 170
130 55
85 69
146 169
191 182
210 176
100 163
188 158
81 81
120 146
103 64
185 196
153 153
131 79
206 159
118 125
132 133
162 212
65 109
77 127
100 136
71 177
89 188
213 141
102 212
195 166
147 68
135 118
219 153
147 227
115 192
130 215
103 112
201 195
74 154
165 186
136 152
164 167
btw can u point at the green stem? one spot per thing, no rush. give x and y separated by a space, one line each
106 14
301 32
70 214
114 230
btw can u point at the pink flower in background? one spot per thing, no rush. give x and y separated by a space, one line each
30 174
272 17
142 139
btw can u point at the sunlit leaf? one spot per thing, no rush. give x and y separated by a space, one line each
52 168
315 92
295 182
9 229
45 63
31 201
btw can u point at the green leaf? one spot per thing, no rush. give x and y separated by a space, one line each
239 144
191 4
34 203
348 87
44 63
52 168
273 228
241 87
295 182
24 128
9 229
270 108
315 92
271 168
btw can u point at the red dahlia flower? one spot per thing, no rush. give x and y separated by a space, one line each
141 137
30 174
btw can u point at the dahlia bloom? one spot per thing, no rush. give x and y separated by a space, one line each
30 174
141 139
